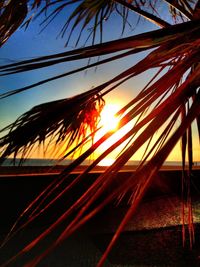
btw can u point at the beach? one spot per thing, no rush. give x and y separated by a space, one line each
35 170
154 235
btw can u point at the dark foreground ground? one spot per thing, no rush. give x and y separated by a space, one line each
152 238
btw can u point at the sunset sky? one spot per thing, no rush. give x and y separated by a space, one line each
29 43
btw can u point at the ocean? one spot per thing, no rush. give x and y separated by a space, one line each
36 162
53 162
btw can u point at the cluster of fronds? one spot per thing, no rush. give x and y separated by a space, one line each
87 14
59 123
12 15
167 105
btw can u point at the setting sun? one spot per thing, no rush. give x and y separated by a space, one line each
109 121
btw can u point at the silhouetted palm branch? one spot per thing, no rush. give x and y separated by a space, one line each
70 121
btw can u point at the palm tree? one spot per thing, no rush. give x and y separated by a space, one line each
170 101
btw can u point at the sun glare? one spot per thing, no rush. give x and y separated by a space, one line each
109 121
106 162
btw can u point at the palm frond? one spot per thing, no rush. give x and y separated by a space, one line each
150 39
11 17
70 120
86 14
179 8
183 36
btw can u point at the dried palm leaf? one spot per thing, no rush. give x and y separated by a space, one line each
161 38
11 18
70 120
86 13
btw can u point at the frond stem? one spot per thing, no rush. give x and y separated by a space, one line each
183 11
152 18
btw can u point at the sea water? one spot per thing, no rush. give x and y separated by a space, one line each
53 162
35 162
